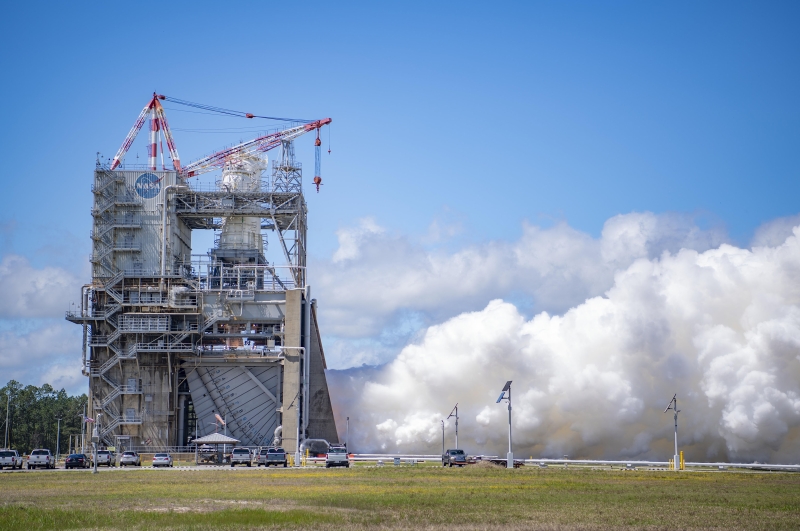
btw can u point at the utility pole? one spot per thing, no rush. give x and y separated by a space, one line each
673 404
443 439
58 439
347 439
8 402
95 440
507 389
454 413
83 430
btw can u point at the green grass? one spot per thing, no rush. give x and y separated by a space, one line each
399 498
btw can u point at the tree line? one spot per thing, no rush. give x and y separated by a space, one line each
33 414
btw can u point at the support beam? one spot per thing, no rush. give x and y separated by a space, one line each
259 384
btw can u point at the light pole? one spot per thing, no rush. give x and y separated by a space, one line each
347 439
673 404
8 402
58 439
95 440
507 389
83 428
443 439
454 413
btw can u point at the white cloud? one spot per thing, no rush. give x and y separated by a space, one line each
50 352
26 292
350 240
775 232
720 327
376 279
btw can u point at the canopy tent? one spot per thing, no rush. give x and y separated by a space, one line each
216 439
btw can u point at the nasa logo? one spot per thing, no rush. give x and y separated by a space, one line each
148 185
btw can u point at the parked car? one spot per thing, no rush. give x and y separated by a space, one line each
337 456
454 457
105 457
10 459
272 456
130 458
162 460
41 457
77 461
241 456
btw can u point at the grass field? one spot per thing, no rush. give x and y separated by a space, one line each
423 497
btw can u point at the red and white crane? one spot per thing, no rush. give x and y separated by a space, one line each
158 122
251 147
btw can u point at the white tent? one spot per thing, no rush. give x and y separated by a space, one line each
215 439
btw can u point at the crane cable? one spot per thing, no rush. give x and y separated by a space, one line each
229 112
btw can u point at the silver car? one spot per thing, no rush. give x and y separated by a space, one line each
130 458
162 460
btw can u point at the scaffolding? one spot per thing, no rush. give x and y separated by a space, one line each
163 347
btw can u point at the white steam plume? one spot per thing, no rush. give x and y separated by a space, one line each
720 327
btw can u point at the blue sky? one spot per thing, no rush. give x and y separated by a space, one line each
479 116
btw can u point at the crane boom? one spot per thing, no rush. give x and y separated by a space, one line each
257 145
158 123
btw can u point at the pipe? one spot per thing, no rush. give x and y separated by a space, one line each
164 229
306 359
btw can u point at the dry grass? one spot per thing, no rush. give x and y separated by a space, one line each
476 497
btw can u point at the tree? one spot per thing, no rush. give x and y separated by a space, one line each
34 413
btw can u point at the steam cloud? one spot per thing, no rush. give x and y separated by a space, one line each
719 326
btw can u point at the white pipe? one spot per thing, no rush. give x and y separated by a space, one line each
164 228
307 359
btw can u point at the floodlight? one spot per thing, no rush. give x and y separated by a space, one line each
673 404
507 389
669 406
454 413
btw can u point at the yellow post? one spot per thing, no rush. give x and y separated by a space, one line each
683 463
305 458
290 457
671 465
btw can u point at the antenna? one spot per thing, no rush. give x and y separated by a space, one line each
673 404
507 389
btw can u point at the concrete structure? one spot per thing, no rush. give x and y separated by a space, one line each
173 339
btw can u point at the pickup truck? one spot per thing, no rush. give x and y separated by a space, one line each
337 456
10 458
241 456
454 457
41 458
272 456
106 457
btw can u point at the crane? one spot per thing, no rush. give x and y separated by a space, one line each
158 122
257 145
